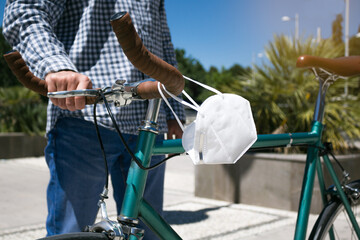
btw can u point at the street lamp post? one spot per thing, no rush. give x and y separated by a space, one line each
318 35
297 26
347 3
287 19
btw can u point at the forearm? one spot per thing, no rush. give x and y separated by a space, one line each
29 28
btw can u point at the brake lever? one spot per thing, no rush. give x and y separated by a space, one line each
74 93
121 94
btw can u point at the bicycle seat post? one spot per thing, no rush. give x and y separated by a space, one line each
325 80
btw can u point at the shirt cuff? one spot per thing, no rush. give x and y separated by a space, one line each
53 63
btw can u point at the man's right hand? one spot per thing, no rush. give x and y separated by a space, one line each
67 81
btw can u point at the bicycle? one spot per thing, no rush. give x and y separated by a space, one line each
342 195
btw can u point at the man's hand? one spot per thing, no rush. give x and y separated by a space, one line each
174 129
67 81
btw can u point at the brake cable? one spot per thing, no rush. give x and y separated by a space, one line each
132 155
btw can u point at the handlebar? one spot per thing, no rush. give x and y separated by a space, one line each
21 71
144 60
135 51
19 68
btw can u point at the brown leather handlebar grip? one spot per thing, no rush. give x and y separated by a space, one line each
19 68
144 60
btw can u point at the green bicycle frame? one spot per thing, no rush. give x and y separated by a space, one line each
134 206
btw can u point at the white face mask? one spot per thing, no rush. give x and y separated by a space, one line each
223 130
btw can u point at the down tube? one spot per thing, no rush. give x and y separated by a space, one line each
156 223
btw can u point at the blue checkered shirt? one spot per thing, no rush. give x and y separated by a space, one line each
77 35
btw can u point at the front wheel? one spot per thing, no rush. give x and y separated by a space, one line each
334 222
78 236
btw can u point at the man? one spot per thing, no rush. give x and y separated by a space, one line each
70 44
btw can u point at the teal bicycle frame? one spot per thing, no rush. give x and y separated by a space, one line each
134 206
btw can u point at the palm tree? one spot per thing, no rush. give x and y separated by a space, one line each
283 97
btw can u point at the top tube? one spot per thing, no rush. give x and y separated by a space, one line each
263 141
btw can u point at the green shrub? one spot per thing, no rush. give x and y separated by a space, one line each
22 110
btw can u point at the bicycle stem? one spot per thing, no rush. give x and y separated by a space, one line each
151 117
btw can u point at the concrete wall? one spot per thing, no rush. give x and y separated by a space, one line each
269 180
18 145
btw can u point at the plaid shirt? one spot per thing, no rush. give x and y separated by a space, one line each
77 35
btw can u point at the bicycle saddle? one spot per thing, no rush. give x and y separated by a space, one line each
342 66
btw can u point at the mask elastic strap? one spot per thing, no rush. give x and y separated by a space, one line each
168 104
195 106
203 85
190 98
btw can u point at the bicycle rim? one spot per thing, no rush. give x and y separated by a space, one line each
334 222
78 236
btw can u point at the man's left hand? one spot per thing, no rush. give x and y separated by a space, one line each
174 130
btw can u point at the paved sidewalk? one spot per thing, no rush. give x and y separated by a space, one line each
23 206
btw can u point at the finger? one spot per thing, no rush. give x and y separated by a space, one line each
174 129
172 134
84 83
59 83
72 83
62 84
176 133
51 88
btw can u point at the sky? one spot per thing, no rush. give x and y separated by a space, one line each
221 33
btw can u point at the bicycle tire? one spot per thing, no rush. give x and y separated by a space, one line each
78 236
334 215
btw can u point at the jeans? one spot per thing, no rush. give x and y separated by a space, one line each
77 174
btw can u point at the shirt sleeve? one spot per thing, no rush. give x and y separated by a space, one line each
170 57
29 27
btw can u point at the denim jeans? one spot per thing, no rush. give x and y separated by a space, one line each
77 174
